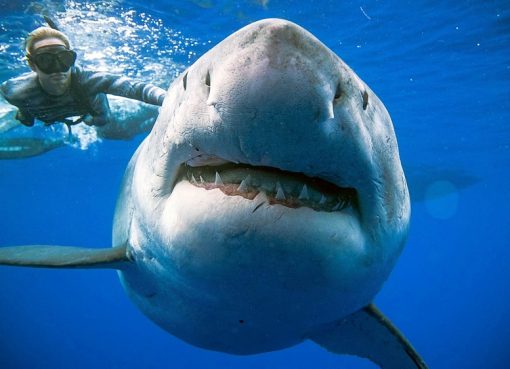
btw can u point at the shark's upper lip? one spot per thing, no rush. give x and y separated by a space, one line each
286 188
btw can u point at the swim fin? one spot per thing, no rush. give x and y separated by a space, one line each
50 22
369 334
43 256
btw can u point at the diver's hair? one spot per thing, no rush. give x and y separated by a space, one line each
42 33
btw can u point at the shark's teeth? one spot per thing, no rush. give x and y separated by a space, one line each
289 190
243 186
304 194
218 181
280 194
337 206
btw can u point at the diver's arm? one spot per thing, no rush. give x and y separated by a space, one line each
100 113
146 92
22 116
96 82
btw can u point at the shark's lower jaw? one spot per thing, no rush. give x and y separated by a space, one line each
293 190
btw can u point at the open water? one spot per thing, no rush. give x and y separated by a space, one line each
442 68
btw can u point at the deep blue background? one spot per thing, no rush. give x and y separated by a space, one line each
443 71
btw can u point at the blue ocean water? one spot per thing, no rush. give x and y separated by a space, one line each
441 68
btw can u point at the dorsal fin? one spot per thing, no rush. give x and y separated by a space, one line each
45 256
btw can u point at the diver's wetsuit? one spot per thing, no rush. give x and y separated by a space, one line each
86 95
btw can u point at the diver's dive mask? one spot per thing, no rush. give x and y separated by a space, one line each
53 59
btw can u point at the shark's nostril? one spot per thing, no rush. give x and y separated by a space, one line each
338 92
185 81
208 79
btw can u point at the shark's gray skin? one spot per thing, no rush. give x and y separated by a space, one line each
267 206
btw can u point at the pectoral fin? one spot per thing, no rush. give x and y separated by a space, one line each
369 334
43 256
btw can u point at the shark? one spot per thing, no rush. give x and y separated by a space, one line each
267 206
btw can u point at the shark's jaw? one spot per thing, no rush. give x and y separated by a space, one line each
275 249
292 190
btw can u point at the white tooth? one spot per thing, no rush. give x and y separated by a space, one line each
323 200
243 186
304 194
193 180
260 200
201 180
218 181
339 205
261 196
280 194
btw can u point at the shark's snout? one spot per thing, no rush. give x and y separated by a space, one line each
276 77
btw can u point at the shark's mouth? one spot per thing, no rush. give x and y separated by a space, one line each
293 190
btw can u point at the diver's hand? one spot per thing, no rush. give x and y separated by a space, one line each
24 119
88 120
95 121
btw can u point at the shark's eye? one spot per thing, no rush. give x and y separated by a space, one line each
208 79
364 95
338 92
185 81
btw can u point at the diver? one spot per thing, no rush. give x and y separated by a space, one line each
57 89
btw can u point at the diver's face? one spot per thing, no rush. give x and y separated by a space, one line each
55 83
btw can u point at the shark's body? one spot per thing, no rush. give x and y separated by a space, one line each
267 206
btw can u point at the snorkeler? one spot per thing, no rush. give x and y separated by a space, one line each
57 89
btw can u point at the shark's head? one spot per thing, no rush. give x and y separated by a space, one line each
269 198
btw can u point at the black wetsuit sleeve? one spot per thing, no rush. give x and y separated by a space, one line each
97 82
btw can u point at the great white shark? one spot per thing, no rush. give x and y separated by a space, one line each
267 206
